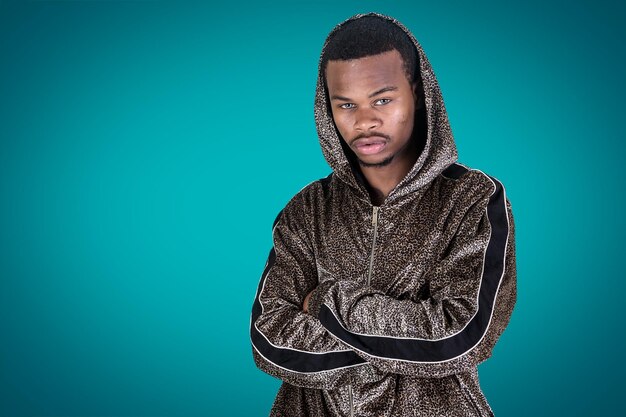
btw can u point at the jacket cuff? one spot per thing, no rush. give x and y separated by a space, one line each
317 297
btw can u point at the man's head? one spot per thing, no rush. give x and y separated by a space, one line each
367 36
371 74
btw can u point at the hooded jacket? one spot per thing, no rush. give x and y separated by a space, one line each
408 297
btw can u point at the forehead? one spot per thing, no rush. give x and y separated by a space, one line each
368 72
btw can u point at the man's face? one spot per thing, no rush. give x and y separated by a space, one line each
373 106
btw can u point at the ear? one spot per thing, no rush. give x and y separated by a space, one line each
418 97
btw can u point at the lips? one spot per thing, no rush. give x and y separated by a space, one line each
370 145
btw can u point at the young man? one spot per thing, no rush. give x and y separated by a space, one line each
391 279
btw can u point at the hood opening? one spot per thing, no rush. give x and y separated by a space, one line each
435 143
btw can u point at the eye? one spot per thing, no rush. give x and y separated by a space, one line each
382 101
347 106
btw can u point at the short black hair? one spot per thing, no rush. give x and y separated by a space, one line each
370 35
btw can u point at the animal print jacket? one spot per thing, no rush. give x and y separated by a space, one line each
409 296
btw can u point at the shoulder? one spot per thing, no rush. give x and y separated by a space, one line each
473 190
474 181
303 204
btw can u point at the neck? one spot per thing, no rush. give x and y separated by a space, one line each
383 179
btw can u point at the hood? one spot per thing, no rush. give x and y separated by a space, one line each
439 150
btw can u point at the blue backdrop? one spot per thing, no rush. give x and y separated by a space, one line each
146 147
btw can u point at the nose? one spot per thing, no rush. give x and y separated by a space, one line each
366 119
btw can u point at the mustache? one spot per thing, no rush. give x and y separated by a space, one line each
369 135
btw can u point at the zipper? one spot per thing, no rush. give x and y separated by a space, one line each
375 210
350 398
375 224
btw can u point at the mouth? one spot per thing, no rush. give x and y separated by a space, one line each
370 145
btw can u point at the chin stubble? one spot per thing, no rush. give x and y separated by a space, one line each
382 163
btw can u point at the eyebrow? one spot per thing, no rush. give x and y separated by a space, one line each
375 93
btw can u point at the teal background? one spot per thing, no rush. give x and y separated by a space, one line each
146 147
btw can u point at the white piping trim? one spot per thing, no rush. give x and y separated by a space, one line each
306 373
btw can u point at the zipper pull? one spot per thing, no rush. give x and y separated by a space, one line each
375 216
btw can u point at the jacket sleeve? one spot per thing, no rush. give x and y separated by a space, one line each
472 291
288 343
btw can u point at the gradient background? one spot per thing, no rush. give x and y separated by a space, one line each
146 148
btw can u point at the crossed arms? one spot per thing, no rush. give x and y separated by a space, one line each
312 334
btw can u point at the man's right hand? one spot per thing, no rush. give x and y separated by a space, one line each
305 303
